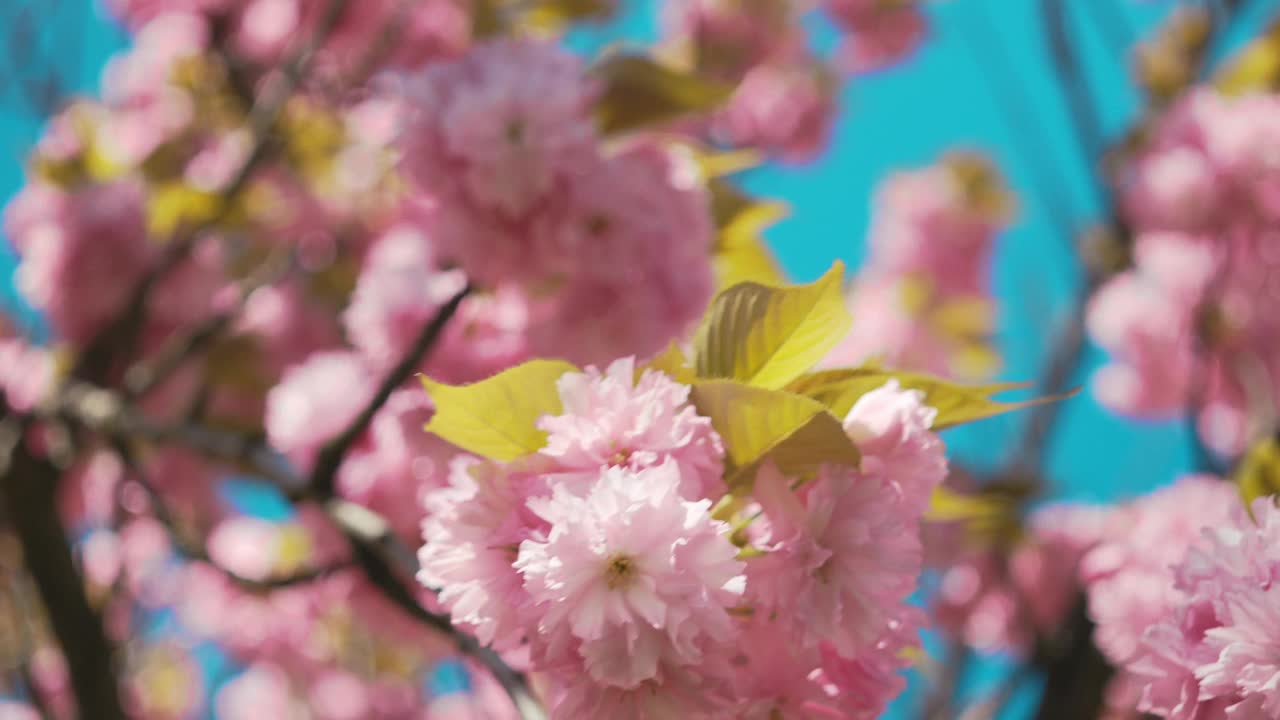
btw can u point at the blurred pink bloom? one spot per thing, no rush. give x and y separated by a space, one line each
490 139
262 690
923 298
391 468
880 32
786 107
401 288
80 253
26 373
305 410
1002 601
631 261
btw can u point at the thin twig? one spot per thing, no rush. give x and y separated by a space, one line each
148 373
198 551
329 459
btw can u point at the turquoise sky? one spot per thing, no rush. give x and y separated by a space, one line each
982 81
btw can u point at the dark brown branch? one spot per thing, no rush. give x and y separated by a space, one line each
380 573
28 485
195 550
329 459
1076 672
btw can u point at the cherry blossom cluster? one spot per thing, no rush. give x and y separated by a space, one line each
615 560
784 101
295 273
1187 325
923 295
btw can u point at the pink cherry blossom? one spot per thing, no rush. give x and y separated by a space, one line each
923 297
1126 575
397 462
80 253
891 428
840 555
628 251
1214 655
1003 599
471 538
786 107
880 32
614 418
26 373
400 290
315 401
492 137
631 583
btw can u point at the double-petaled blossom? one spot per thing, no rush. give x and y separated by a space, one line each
1216 653
891 427
1126 574
632 583
472 534
614 418
840 555
601 555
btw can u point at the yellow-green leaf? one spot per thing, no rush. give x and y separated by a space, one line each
673 362
639 91
986 516
176 204
767 336
497 417
797 433
1259 473
957 404
747 262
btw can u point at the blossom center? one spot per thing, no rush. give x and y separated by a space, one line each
620 571
620 458
515 132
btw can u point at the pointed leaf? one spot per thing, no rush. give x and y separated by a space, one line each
496 417
797 433
957 404
673 362
639 91
767 336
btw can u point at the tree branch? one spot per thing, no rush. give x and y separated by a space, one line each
28 485
329 459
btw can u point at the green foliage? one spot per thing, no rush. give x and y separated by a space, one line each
741 254
496 417
640 92
956 404
767 336
756 424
